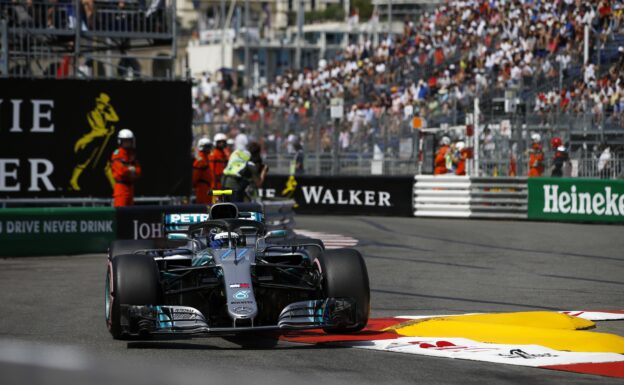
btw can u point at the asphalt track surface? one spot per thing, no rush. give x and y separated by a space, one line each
416 266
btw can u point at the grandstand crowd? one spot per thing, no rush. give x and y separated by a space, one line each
435 68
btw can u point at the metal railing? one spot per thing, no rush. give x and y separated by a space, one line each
343 164
96 39
387 144
590 166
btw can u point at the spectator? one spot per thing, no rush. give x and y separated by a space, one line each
604 162
297 162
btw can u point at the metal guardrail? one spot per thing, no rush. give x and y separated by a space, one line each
470 197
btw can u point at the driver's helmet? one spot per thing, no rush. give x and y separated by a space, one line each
221 239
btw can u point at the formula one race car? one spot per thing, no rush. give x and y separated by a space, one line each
222 272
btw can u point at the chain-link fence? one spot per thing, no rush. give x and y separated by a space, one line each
377 141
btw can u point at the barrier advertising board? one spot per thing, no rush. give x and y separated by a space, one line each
55 231
566 199
57 137
143 222
355 195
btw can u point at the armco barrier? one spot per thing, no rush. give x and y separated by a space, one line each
470 197
56 231
585 200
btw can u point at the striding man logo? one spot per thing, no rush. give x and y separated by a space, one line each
90 147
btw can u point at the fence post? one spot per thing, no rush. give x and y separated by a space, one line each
4 52
174 41
476 134
336 157
77 26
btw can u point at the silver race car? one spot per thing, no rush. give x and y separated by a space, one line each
222 272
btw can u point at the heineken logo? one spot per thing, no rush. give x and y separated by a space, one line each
602 202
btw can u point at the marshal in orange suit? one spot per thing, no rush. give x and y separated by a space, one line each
126 169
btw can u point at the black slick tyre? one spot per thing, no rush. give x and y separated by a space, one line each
131 279
344 275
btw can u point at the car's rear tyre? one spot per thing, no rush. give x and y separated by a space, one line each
131 279
344 274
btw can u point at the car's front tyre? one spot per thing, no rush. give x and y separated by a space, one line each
131 279
344 275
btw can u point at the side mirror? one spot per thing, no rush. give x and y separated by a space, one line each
276 234
178 237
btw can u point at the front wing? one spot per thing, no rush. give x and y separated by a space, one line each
154 319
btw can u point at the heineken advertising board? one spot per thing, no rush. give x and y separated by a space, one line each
586 200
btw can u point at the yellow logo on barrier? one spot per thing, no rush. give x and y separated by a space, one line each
90 147
289 189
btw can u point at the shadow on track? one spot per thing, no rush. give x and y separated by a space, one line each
243 342
413 260
462 299
485 245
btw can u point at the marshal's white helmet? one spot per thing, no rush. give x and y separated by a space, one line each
220 137
536 138
204 143
460 145
125 134
230 142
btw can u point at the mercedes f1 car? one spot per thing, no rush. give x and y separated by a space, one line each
223 272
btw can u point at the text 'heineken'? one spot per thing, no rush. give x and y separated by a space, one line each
604 202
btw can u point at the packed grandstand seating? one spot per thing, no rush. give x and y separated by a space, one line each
439 63
95 15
